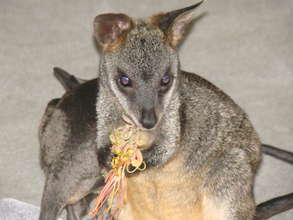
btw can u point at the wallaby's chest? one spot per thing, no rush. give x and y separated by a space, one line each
162 193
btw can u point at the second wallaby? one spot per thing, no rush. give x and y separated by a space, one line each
202 153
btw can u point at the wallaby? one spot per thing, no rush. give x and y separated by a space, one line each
203 151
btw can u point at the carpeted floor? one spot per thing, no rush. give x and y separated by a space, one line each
243 46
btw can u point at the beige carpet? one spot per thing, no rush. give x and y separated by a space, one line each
243 46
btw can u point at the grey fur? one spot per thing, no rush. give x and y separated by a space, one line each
197 123
67 154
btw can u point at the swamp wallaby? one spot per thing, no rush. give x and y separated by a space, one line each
203 151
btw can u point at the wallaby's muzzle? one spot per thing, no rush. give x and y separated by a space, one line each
148 118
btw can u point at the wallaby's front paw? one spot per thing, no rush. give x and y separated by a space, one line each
105 157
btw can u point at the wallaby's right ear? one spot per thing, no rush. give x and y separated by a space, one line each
174 23
110 30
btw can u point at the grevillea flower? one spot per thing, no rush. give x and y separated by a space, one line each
127 158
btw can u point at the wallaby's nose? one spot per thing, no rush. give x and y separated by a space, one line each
148 118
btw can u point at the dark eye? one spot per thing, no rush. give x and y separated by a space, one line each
125 81
165 79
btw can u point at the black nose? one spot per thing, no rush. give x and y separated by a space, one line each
148 118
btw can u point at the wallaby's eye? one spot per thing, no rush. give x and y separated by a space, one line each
125 81
165 83
165 79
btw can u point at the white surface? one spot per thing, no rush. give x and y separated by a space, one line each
243 46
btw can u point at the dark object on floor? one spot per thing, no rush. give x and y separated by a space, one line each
280 204
278 153
274 206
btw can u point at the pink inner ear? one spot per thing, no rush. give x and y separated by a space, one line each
123 25
109 27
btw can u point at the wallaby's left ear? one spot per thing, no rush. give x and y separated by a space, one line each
174 23
111 29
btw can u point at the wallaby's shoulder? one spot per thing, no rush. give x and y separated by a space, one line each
197 90
221 122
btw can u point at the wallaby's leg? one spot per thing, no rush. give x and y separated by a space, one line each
80 209
59 192
53 203
53 200
68 180
71 213
228 189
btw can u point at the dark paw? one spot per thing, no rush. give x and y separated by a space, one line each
104 157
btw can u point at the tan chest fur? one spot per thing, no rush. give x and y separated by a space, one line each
163 193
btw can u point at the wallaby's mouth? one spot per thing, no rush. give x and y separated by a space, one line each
147 136
146 124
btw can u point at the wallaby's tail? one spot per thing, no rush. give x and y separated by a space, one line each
67 80
278 153
274 206
280 204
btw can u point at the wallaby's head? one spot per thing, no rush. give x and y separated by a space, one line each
139 62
